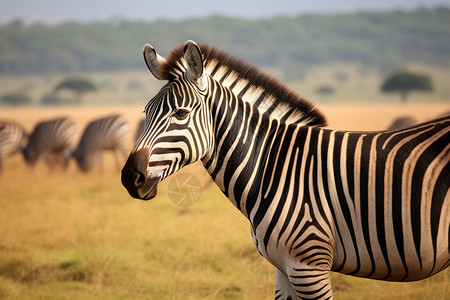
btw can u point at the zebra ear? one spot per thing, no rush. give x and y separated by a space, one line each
153 61
194 59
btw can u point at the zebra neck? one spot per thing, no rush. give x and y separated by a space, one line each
253 155
240 147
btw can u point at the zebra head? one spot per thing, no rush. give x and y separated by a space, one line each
31 155
177 129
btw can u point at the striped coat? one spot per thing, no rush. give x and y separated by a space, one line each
368 204
107 133
13 139
53 140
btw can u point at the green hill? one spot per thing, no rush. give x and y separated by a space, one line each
383 40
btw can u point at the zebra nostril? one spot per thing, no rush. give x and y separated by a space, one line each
141 179
135 169
133 179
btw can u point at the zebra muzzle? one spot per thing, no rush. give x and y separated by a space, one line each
135 179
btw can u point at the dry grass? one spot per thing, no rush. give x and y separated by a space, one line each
71 235
77 236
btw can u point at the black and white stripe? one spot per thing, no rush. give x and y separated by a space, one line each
13 139
368 204
107 133
53 140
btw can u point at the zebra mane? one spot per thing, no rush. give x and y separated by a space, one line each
249 83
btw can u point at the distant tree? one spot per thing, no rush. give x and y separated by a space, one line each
325 90
79 86
404 82
15 99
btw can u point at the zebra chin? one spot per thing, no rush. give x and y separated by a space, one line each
150 193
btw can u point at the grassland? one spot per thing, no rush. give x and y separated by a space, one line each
77 236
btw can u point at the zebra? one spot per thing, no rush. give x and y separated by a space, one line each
13 138
52 139
402 122
368 204
107 133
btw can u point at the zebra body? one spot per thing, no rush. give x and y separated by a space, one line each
368 204
12 139
53 140
107 133
343 201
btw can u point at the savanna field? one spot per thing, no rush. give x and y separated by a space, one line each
70 235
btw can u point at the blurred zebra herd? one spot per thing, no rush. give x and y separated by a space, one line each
55 141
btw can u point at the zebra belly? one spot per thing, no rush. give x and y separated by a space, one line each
270 253
396 260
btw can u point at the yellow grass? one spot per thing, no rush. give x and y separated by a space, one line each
80 236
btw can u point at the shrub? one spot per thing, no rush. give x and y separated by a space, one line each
15 99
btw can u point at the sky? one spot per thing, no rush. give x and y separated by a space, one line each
57 11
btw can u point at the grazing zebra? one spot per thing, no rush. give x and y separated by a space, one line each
368 204
12 139
53 140
108 133
402 122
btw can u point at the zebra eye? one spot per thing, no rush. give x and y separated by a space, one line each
181 113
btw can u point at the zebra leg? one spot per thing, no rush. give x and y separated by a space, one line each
64 162
118 158
284 289
121 160
311 283
100 161
48 158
